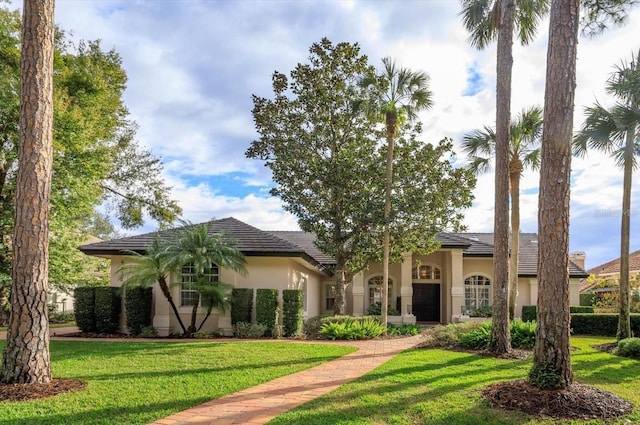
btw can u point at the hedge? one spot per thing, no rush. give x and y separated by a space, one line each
266 308
601 324
107 309
587 299
84 301
292 311
241 305
529 312
137 304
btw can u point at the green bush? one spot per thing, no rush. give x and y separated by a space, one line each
266 309
629 347
137 303
84 302
60 317
292 312
358 328
581 309
248 330
148 332
486 311
605 324
587 299
312 325
523 334
406 329
107 309
529 313
449 335
241 305
478 338
375 309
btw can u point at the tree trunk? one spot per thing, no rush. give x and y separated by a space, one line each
500 335
26 356
339 306
515 171
624 320
194 314
391 122
551 355
167 294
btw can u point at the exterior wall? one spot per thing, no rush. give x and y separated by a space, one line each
528 292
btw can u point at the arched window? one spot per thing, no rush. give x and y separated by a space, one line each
477 292
188 278
426 272
375 290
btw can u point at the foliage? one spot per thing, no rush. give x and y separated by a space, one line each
477 338
545 377
529 313
249 330
365 328
241 305
292 311
599 15
449 335
61 317
266 308
584 309
312 325
485 311
587 299
138 307
407 329
601 324
523 334
325 157
84 302
107 309
629 347
148 332
375 308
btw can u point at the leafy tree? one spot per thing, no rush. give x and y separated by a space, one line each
397 94
615 131
96 159
524 151
326 157
26 357
488 20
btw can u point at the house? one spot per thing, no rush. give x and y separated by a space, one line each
439 287
610 272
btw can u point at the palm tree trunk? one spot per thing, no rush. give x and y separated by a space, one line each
391 122
194 313
167 294
26 355
209 310
551 355
514 186
624 320
500 341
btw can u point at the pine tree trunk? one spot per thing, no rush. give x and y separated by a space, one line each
624 320
514 187
500 335
551 356
26 357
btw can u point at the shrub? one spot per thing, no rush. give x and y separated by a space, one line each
202 335
406 329
84 301
629 347
529 313
248 330
523 334
107 309
587 299
450 335
61 317
137 303
241 305
148 332
266 309
292 310
485 311
358 328
478 338
375 309
312 325
605 324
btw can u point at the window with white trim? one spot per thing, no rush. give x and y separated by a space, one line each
330 298
375 290
426 272
477 292
188 278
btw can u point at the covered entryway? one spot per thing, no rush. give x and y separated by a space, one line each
426 302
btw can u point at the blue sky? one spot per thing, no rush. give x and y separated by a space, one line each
194 64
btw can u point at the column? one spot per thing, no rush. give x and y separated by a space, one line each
357 292
457 284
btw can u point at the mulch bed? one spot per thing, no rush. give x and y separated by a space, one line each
578 401
25 392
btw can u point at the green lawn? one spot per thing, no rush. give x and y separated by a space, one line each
136 383
432 386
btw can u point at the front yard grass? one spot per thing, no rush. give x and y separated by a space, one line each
136 383
434 386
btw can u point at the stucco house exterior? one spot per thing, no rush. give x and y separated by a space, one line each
440 287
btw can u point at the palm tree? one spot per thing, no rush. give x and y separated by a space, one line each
524 152
615 131
145 270
194 247
397 94
214 295
487 20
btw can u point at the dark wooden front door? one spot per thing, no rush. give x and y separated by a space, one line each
426 302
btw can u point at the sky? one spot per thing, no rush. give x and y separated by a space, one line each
194 64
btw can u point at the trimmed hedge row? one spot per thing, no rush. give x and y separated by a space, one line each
84 301
97 308
529 312
292 311
587 299
267 308
241 305
137 304
585 322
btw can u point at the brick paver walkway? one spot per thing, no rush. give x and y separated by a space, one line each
258 405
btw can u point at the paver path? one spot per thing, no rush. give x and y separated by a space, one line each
258 405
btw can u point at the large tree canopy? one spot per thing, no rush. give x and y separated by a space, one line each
328 159
97 160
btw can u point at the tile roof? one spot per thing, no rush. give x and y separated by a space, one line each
255 242
613 266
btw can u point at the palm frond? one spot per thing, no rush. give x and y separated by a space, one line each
479 142
478 17
529 14
624 82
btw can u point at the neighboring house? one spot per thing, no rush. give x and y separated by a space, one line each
438 287
610 272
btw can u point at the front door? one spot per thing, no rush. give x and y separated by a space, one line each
426 302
